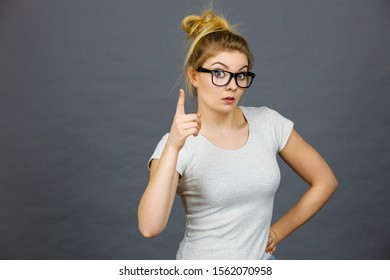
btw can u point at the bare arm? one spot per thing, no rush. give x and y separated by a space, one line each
156 203
314 170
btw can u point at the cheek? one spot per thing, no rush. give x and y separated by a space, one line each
240 93
206 88
204 81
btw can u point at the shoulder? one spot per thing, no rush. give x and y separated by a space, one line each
163 140
253 110
269 120
262 112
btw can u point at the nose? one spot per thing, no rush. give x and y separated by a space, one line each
232 85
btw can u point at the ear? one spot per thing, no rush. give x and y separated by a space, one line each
192 76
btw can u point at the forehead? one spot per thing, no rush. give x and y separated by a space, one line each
232 59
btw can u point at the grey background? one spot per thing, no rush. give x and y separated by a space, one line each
89 87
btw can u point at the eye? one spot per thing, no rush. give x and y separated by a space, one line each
241 76
219 74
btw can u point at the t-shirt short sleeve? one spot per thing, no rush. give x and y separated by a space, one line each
281 128
158 151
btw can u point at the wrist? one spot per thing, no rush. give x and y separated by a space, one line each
274 236
172 145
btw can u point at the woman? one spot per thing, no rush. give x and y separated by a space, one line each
222 160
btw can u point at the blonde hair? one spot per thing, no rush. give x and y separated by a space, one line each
208 34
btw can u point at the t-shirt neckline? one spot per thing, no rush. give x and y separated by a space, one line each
216 147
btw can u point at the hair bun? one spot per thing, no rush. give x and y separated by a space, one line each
208 22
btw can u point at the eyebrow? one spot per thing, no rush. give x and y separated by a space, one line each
224 65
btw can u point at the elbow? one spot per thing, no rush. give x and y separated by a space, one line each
147 226
335 184
148 232
328 185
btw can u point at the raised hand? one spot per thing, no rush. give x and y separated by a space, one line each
183 124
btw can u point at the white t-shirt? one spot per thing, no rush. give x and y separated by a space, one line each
228 195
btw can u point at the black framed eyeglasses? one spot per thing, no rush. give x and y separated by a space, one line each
222 78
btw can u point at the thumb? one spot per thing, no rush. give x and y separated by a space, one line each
180 103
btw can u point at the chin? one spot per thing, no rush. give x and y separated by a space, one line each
227 108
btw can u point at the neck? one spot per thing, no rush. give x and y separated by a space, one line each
220 121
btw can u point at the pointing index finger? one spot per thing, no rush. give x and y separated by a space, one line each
180 104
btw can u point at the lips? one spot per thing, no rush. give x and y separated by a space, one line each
229 98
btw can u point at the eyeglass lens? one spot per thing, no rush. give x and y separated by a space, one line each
222 78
